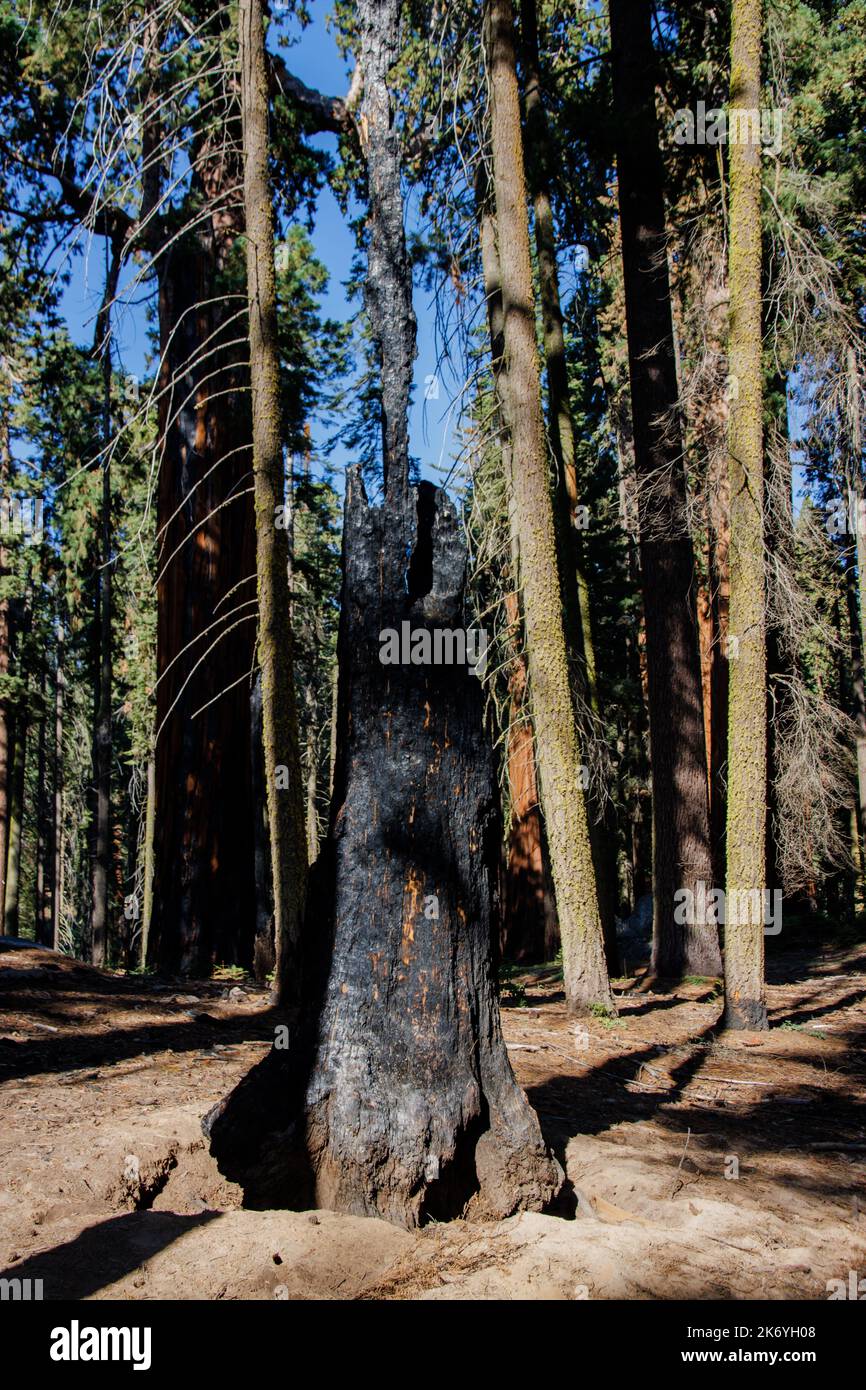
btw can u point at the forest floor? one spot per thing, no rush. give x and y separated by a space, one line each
703 1164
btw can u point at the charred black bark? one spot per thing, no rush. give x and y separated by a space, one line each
398 1100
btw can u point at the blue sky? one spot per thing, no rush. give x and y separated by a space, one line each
315 58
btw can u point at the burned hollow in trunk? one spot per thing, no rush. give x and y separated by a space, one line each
397 1098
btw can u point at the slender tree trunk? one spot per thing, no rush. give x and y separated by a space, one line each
530 929
149 836
283 774
747 727
57 835
4 754
263 951
5 635
312 814
561 423
99 921
16 814
42 899
856 482
682 858
712 428
854 588
398 1099
332 741
719 677
558 754
562 439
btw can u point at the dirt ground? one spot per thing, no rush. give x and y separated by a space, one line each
703 1164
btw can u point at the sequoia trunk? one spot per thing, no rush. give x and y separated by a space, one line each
204 891
682 857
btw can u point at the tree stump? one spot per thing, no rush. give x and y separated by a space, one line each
396 1098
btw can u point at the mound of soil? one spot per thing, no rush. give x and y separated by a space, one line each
701 1164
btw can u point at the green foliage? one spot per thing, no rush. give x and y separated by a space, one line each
511 990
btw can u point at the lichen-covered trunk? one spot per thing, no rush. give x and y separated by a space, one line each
557 750
539 159
747 726
561 423
682 857
530 930
396 1097
204 891
719 674
282 764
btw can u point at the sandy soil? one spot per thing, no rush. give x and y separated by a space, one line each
703 1164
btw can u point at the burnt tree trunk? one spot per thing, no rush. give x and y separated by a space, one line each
399 1101
397 1098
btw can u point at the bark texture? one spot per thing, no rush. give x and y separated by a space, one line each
561 423
149 836
16 816
388 286
102 846
401 1101
204 891
557 750
5 638
530 930
579 633
745 1005
57 813
282 765
681 835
